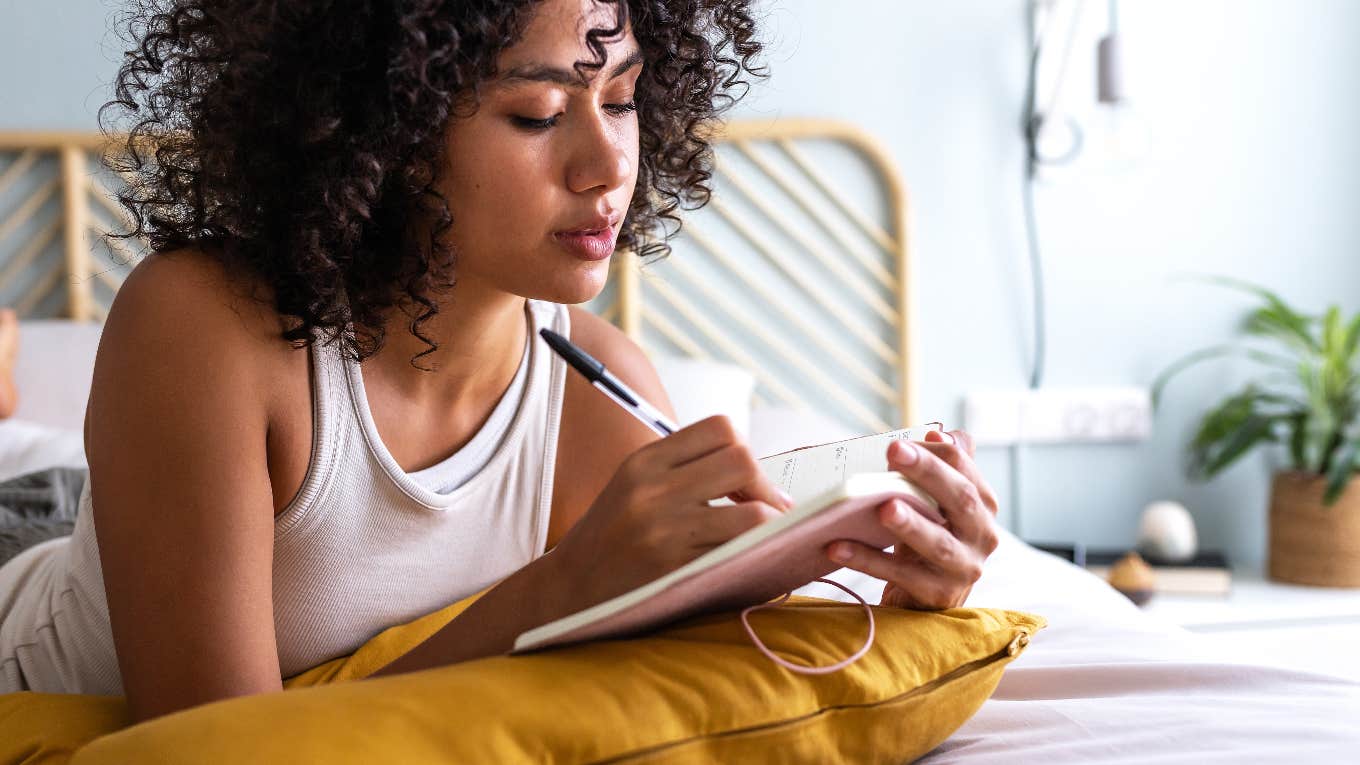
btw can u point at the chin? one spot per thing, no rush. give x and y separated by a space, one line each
579 285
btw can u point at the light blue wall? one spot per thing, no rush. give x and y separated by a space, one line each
1253 171
56 62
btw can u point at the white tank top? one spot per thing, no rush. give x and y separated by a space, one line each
363 546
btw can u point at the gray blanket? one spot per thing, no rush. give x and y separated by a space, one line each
38 506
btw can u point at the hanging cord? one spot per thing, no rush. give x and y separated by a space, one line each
1031 126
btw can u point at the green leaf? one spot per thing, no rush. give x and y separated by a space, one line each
1221 421
1254 430
1332 339
1343 467
1352 341
1297 424
1283 325
1321 426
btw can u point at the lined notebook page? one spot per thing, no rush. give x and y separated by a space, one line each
808 472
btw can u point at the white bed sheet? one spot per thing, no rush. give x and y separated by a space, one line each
1105 682
27 446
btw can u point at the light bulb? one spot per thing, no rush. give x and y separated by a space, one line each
1121 137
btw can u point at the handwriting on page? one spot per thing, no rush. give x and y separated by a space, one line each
805 473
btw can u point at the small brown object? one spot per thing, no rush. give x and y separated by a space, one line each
1312 543
1132 576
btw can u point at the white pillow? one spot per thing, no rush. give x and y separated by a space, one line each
28 446
777 428
54 369
699 388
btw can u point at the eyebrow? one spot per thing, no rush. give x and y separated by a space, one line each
569 77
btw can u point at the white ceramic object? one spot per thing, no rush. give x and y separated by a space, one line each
1167 531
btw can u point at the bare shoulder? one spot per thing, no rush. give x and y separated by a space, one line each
201 292
181 319
620 354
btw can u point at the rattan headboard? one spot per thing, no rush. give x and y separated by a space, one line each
798 269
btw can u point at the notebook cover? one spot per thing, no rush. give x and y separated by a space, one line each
770 568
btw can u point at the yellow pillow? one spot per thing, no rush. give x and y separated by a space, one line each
695 691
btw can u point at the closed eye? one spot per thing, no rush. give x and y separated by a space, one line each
530 123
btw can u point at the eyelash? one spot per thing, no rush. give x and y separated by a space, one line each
533 124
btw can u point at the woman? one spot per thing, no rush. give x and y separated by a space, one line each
418 187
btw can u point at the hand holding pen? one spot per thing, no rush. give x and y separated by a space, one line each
656 513
594 371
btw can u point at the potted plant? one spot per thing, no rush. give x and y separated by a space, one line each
1308 399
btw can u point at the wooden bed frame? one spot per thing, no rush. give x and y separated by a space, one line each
809 289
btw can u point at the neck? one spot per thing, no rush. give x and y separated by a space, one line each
480 334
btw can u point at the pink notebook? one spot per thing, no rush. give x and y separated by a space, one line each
836 488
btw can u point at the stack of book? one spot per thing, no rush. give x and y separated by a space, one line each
1208 573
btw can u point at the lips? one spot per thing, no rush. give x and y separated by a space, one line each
591 226
589 240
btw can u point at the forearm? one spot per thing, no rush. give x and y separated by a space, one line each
526 599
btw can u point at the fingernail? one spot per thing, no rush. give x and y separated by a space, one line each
908 453
784 495
897 512
840 552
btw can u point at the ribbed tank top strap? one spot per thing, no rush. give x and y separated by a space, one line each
328 402
556 317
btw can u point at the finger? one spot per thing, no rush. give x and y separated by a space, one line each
964 440
866 559
728 470
924 587
959 438
959 498
713 526
692 442
931 542
954 456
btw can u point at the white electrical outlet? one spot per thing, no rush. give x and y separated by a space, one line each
1058 415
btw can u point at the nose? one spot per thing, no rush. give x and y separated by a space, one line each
600 160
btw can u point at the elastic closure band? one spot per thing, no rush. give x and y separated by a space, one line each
798 667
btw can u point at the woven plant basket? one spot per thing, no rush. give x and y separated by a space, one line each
1311 543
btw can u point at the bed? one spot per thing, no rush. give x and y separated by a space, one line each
1104 682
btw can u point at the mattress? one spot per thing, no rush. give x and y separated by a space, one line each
1108 683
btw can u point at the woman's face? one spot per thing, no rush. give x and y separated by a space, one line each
546 155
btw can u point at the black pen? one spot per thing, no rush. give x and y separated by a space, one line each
608 384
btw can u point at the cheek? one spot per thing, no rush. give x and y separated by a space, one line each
492 192
498 175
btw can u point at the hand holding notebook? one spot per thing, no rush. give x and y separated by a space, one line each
837 488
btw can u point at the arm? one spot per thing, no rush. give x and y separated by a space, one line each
176 434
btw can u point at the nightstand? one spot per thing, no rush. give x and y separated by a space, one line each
1310 628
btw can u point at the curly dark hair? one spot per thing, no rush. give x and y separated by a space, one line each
295 139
